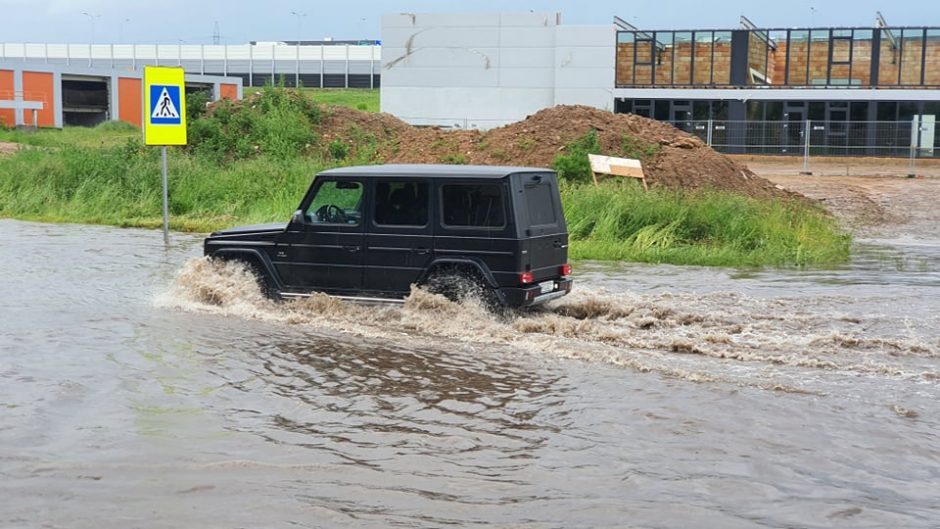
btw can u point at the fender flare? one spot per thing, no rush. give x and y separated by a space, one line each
476 264
250 253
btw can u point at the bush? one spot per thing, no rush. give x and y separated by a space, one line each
196 103
276 122
575 166
338 150
454 159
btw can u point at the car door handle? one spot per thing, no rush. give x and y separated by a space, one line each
352 249
558 244
421 251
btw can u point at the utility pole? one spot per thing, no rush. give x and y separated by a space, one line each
92 19
121 30
300 26
216 33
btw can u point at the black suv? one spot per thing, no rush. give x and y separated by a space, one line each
369 233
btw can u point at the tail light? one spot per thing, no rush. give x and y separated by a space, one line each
526 277
565 269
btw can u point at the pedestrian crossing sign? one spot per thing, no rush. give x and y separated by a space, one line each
164 106
165 101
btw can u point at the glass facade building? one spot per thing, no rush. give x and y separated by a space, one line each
831 57
853 83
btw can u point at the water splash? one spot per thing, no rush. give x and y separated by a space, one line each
767 343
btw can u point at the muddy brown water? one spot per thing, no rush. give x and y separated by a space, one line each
141 387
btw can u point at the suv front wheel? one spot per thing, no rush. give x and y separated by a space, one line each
265 281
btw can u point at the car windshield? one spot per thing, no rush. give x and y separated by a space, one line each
336 203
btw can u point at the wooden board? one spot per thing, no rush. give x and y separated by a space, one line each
610 165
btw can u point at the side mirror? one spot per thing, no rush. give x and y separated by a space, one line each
298 218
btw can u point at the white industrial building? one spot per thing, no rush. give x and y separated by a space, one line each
318 65
479 71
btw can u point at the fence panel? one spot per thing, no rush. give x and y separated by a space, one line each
909 141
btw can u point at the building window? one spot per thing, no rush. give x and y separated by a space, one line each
841 50
912 57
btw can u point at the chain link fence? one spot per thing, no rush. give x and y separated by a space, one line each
908 141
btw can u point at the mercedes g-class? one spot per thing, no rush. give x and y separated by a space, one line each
369 233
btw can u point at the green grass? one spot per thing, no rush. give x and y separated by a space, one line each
253 163
621 221
358 98
121 187
107 134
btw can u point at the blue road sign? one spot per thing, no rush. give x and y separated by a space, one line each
165 105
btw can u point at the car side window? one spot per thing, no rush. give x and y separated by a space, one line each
473 205
401 203
336 202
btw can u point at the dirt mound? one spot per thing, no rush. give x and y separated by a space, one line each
671 158
346 124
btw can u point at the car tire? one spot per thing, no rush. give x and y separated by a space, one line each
264 280
460 285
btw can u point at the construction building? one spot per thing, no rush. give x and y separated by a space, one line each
46 95
861 89
872 90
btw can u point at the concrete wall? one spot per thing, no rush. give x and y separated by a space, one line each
483 70
584 66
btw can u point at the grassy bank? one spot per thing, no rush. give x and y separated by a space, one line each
105 135
253 163
624 222
358 98
120 186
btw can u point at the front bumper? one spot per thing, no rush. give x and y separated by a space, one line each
533 295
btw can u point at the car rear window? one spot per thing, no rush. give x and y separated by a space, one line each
540 203
473 205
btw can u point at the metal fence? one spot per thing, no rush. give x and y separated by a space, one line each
915 139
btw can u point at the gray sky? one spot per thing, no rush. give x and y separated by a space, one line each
191 21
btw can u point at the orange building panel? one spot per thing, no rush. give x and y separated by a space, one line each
7 117
39 86
130 104
228 91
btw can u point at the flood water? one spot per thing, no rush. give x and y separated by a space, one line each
141 387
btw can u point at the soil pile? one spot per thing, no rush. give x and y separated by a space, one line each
671 158
348 124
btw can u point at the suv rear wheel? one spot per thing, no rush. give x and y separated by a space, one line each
460 284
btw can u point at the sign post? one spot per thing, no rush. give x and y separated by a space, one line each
164 119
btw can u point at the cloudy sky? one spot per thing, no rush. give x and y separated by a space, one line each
191 21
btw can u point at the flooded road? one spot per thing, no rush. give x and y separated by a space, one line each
141 387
